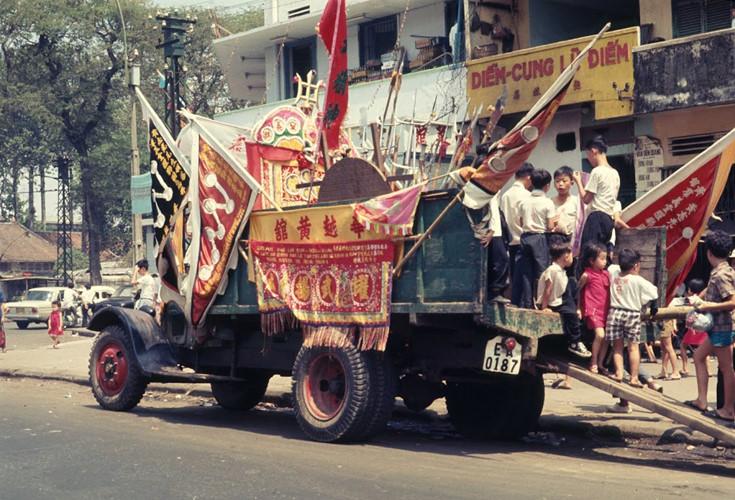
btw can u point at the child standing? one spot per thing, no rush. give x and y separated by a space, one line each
719 299
55 324
629 292
538 217
692 338
567 204
555 292
594 298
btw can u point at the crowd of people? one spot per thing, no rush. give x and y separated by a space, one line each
551 262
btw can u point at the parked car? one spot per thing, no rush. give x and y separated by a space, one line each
122 297
35 307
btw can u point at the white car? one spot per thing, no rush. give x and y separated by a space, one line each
36 305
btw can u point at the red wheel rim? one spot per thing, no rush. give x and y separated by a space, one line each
325 387
111 368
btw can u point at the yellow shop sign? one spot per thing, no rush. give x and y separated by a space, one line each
605 77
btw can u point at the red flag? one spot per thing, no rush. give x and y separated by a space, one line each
509 153
683 203
332 29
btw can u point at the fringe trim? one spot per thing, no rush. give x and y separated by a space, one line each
373 338
273 323
387 229
363 338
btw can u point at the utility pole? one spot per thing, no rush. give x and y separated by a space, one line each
133 83
174 47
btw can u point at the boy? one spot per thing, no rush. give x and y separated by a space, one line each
509 207
719 299
599 194
556 292
567 204
537 217
146 284
629 292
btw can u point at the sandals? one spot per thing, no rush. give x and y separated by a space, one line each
714 414
693 404
594 369
616 379
635 384
561 384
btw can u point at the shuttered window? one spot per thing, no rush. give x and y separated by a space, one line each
699 16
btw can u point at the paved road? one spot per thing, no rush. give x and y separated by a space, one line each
33 337
56 443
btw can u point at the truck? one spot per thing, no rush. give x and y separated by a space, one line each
447 340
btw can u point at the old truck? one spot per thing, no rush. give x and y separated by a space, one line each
446 340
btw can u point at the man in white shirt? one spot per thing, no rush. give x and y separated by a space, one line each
509 207
146 284
538 217
600 194
87 297
497 276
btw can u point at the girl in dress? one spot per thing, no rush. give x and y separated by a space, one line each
55 324
594 298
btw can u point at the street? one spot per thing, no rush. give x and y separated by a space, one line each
57 443
34 336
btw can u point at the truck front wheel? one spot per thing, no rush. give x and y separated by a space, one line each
241 395
331 389
500 409
118 383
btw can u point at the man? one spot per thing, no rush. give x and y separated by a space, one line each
146 284
510 208
600 194
87 301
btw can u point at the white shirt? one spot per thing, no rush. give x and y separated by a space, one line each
148 287
494 224
567 214
559 280
509 205
618 209
87 296
630 292
604 183
536 211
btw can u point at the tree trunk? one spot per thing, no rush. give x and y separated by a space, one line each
14 182
42 181
94 220
31 195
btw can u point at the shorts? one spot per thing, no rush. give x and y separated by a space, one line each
721 339
668 329
623 324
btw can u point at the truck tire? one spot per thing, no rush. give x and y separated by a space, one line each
240 395
331 389
21 324
118 383
501 409
381 399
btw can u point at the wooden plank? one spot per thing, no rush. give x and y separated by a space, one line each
648 399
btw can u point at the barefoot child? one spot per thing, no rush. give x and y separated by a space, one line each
629 292
594 298
555 292
692 338
55 324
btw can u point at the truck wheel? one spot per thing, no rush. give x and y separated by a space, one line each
118 383
240 395
381 399
331 392
22 324
501 409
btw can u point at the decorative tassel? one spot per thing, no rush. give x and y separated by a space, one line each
328 336
276 322
373 338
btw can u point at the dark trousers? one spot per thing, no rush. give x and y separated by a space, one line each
721 388
85 315
498 267
533 261
568 311
514 253
598 227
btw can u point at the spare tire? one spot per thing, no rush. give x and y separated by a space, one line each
241 395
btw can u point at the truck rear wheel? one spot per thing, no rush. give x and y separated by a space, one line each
501 409
241 395
382 394
331 388
118 382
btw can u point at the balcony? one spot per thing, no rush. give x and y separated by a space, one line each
694 71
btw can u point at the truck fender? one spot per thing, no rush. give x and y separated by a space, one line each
152 350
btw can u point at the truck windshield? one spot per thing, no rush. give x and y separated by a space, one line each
41 295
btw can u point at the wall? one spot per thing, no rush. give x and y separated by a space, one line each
658 13
427 21
548 26
546 156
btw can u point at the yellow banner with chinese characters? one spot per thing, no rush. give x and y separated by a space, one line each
322 268
605 77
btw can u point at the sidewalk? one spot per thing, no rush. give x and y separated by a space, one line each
581 410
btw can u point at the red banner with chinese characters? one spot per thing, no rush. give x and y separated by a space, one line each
223 199
332 29
683 203
320 266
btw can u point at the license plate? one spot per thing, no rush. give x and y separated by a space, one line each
499 359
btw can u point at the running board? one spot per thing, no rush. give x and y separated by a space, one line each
173 374
645 398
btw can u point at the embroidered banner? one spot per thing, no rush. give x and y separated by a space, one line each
320 266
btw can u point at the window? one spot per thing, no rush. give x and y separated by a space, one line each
699 16
566 141
377 37
300 58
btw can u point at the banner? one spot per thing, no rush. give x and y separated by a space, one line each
169 175
332 29
391 213
510 152
683 203
140 194
320 266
